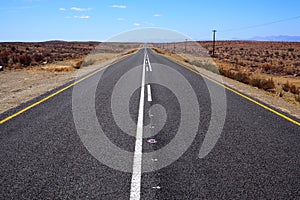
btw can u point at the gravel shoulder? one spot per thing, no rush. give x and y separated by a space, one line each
20 86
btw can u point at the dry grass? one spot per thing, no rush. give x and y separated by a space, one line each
19 55
275 84
130 52
168 53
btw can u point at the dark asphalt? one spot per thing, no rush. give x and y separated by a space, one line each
42 156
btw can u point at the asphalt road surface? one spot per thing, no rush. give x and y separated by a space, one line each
147 128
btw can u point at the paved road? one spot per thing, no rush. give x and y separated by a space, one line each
82 144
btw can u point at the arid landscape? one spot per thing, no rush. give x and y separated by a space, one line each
271 66
31 69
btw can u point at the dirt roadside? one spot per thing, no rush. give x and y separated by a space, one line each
20 86
266 97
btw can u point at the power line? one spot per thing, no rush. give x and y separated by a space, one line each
259 25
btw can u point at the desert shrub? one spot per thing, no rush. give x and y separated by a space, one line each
290 49
297 64
297 98
266 67
25 60
15 59
286 87
242 77
263 83
13 49
290 70
222 71
46 54
294 89
267 84
255 82
229 74
4 58
226 73
38 57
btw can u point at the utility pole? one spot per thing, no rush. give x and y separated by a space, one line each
214 42
185 45
174 47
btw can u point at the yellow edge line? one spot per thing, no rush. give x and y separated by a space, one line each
196 72
246 97
56 93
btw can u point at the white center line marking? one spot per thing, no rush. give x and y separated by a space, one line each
147 69
149 93
135 190
150 68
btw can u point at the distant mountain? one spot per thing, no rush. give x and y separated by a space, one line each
283 38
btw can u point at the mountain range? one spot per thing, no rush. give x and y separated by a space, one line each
283 38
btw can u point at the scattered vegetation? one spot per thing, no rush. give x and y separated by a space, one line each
17 55
265 84
21 55
294 90
260 64
297 98
287 87
276 58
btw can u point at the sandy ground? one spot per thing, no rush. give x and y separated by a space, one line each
20 86
266 97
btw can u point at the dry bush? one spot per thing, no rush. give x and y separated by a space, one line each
25 60
286 87
242 77
38 57
267 84
23 54
294 90
277 58
4 58
255 82
58 68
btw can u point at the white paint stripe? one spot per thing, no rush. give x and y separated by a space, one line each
149 93
147 69
135 190
150 68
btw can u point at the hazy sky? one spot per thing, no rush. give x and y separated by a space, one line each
38 20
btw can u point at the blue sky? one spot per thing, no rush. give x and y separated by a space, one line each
40 20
